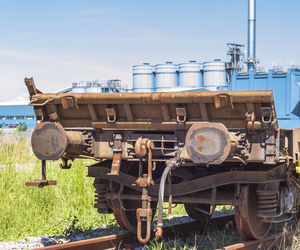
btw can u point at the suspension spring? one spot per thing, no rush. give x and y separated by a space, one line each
268 203
100 201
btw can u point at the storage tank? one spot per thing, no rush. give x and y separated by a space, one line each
214 74
190 74
166 76
93 87
79 87
143 78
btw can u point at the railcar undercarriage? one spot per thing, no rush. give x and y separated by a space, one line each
276 197
200 149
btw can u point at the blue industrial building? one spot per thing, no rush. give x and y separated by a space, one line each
13 115
285 87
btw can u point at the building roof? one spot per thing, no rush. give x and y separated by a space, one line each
16 110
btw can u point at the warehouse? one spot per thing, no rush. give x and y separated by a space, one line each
13 115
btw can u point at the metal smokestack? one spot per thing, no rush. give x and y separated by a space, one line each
251 33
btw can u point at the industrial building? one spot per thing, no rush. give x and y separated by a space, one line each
98 86
13 115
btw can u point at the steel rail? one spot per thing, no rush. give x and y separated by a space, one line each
276 241
130 240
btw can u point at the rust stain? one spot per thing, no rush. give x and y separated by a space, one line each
200 149
201 138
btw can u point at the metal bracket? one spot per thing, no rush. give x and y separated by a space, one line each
69 102
181 114
117 155
223 100
31 87
64 164
266 114
53 116
33 100
111 114
142 147
43 182
144 214
270 150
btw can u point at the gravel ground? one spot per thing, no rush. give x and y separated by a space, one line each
49 240
214 239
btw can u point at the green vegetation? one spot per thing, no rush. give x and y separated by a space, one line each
30 211
22 126
15 152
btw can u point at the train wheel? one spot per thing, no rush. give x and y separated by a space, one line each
194 211
297 206
249 225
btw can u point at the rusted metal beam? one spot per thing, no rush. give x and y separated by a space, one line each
149 125
199 184
93 113
204 197
130 240
31 87
276 241
160 97
165 112
128 112
203 111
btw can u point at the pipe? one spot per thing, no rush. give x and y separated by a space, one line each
161 192
251 33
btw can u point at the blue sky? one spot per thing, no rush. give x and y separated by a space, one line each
59 41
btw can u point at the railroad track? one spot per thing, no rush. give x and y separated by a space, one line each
276 241
128 240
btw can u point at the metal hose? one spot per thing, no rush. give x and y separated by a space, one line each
161 200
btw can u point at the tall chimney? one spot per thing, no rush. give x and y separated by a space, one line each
251 33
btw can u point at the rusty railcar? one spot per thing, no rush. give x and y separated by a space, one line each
200 149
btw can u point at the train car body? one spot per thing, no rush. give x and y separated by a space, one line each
211 147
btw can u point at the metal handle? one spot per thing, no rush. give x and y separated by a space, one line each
139 223
31 103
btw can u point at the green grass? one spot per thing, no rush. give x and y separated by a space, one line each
31 211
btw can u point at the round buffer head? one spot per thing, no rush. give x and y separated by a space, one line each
208 143
49 141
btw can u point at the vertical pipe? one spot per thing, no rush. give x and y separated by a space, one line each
44 170
251 33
